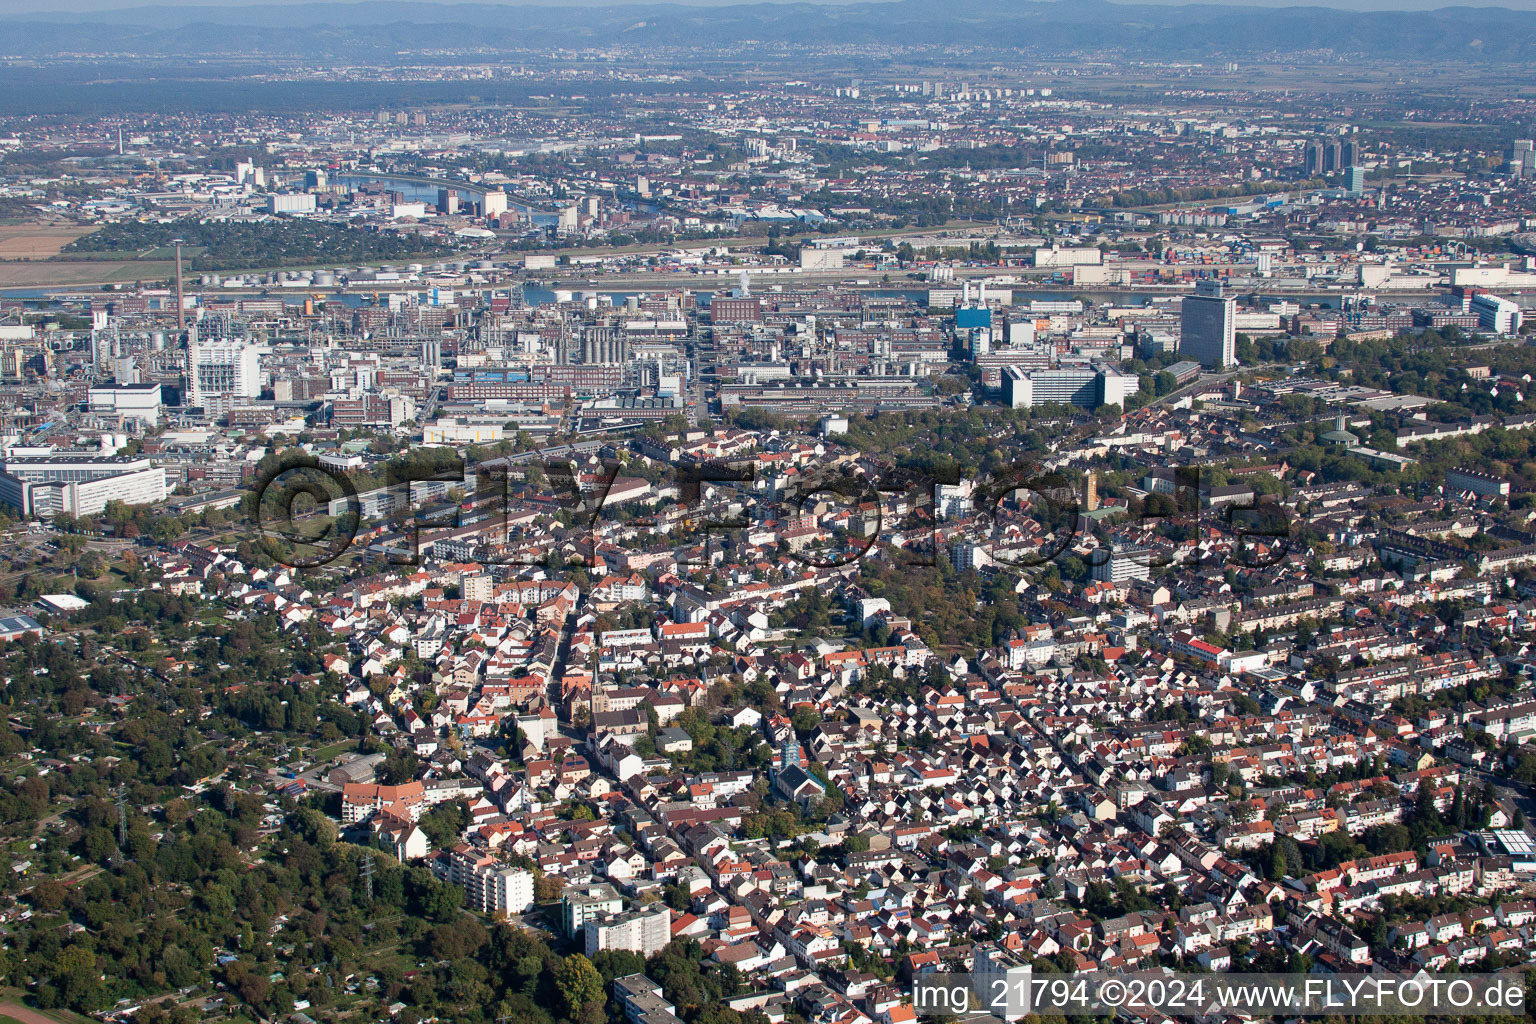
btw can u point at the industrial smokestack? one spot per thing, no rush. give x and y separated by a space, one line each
181 315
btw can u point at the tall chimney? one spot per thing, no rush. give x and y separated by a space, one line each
181 315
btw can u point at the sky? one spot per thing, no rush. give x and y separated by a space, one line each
24 7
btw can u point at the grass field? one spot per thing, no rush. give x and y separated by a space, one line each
27 250
36 241
39 274
154 252
168 252
324 754
12 1011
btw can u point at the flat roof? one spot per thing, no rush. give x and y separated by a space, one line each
71 459
64 602
13 625
1515 842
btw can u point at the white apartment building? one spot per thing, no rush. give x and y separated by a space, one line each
646 931
583 903
1123 565
489 886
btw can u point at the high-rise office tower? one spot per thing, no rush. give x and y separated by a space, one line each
1312 161
1522 158
1207 321
1333 157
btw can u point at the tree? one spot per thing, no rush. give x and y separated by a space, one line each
677 896
457 939
1246 353
399 767
91 564
313 826
442 902
1277 864
547 888
1425 814
445 824
578 982
617 963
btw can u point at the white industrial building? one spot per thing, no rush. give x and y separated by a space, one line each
821 259
1499 276
1499 315
291 202
1057 256
1088 385
127 401
78 485
222 370
454 431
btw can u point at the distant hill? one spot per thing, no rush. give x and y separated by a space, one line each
382 30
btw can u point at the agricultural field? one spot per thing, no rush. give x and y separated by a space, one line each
36 241
40 273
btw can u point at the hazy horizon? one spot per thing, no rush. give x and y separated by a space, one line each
11 8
